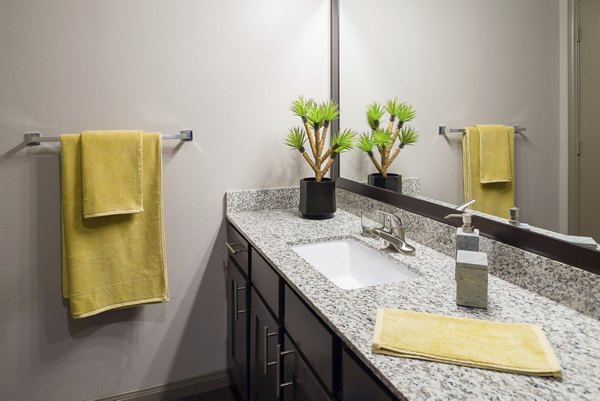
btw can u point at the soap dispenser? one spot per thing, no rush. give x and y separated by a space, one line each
467 236
471 272
471 276
514 219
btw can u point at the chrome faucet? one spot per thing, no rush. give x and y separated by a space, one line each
389 228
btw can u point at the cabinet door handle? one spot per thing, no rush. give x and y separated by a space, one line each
277 363
266 349
233 250
235 299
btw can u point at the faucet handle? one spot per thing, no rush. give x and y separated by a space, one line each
391 221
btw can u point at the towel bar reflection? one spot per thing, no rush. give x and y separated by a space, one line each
35 138
444 131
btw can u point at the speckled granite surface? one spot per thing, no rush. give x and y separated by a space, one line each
288 197
562 283
411 186
351 314
570 286
259 199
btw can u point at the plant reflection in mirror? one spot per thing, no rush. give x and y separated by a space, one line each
385 139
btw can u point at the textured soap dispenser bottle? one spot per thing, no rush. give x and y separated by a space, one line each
471 272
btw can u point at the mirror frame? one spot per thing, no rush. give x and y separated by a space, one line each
552 248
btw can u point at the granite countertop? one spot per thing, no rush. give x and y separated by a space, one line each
351 314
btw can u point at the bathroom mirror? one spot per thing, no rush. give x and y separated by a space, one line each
462 63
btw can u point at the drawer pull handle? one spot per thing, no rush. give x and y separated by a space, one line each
266 349
277 363
235 299
234 250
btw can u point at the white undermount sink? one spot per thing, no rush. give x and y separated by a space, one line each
350 264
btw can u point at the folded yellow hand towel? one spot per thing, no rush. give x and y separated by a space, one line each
111 163
494 154
508 347
112 261
493 198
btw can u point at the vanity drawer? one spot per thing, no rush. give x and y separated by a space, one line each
312 338
358 384
266 281
237 247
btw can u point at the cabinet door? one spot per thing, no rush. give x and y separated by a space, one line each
264 344
315 340
359 385
237 322
299 383
266 281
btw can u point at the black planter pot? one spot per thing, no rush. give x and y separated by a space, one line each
317 199
393 182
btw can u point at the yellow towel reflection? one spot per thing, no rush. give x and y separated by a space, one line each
494 197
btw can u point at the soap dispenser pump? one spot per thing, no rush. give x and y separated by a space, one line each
467 236
514 219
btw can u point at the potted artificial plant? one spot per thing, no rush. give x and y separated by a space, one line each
384 140
317 195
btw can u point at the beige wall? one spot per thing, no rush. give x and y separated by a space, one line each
226 69
460 63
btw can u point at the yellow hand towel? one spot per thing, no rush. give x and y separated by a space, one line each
494 198
111 163
507 347
494 154
112 261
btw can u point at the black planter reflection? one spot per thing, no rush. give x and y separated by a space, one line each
317 199
392 182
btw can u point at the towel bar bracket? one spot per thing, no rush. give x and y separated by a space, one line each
189 133
185 135
32 138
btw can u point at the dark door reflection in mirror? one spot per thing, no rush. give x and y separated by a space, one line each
463 63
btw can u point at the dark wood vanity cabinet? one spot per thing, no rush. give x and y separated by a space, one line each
265 333
279 349
311 336
299 383
238 286
357 383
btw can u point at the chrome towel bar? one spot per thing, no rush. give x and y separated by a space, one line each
35 138
444 131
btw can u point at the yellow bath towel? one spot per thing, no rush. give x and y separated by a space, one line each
112 261
112 169
494 154
507 347
493 198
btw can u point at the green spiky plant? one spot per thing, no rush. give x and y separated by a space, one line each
316 119
384 140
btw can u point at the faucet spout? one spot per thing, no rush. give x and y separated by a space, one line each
394 242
